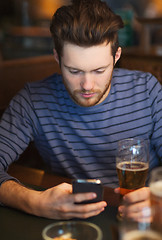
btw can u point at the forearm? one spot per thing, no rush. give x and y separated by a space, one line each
54 203
15 195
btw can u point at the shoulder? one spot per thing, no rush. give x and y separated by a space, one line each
120 73
125 76
39 89
138 84
52 80
49 85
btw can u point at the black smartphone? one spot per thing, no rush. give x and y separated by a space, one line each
88 185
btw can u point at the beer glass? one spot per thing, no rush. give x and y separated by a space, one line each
133 230
138 228
155 185
132 163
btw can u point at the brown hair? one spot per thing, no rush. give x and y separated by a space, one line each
85 23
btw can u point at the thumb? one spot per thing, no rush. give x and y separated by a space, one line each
117 190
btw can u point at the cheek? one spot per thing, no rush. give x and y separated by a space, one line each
71 82
103 81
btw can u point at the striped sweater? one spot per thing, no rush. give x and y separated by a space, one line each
81 142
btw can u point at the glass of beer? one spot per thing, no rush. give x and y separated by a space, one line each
139 228
132 163
155 185
130 230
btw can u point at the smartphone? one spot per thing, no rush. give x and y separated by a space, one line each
88 185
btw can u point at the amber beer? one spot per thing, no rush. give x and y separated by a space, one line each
156 203
142 235
132 175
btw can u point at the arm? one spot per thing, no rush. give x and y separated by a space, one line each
18 127
155 98
140 199
54 203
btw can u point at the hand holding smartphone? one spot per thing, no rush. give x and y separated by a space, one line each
88 185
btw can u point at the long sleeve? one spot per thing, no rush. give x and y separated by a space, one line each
155 96
16 131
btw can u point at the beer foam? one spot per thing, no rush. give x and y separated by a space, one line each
142 235
143 166
156 188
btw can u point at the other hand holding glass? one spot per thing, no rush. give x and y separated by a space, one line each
132 163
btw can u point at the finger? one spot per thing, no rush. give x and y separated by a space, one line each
80 197
89 207
68 210
144 216
140 210
87 210
137 195
137 207
84 215
117 190
68 203
138 217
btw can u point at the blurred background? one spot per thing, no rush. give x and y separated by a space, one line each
24 24
24 27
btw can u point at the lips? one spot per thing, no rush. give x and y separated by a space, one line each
87 95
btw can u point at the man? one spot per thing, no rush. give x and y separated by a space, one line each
76 119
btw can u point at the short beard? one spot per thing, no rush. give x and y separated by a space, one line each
75 99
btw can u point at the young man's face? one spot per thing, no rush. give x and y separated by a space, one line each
87 72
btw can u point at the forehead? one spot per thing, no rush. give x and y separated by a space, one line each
86 57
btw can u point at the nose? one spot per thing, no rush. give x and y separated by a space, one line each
87 82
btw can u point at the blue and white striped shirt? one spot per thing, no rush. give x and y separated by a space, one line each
81 142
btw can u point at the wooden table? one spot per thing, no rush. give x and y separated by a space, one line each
42 179
15 225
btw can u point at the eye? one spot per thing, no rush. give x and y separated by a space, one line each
100 71
73 71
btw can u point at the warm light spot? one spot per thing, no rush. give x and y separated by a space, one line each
46 8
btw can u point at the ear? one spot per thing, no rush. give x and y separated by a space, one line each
118 54
56 56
